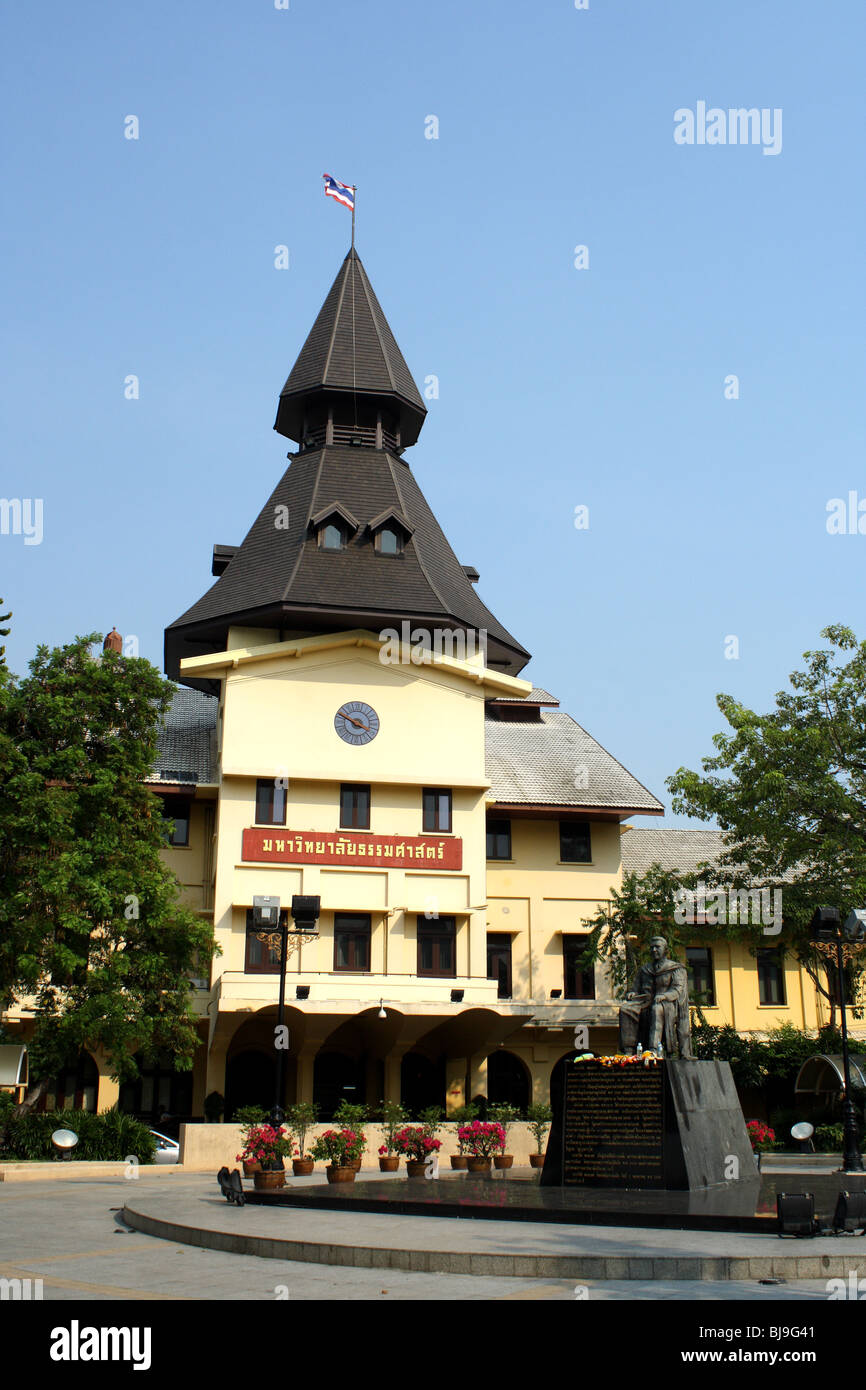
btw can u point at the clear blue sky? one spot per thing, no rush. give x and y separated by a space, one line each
558 387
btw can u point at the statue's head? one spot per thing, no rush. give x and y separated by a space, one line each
658 948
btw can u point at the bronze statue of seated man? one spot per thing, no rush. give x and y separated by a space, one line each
655 1012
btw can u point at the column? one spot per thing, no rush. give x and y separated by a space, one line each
455 1083
478 1075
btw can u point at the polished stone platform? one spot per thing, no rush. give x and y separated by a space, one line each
742 1206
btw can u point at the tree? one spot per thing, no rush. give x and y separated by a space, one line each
791 797
621 930
4 632
90 920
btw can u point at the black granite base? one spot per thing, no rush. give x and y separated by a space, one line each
669 1125
740 1206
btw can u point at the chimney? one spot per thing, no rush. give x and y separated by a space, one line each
113 642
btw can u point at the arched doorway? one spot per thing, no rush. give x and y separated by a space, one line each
507 1080
337 1077
250 1080
422 1082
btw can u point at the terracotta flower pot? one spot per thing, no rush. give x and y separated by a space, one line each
536 1160
267 1181
503 1160
340 1174
415 1168
389 1163
477 1165
251 1166
459 1161
302 1167
354 1164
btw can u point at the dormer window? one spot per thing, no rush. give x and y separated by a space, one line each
389 541
332 537
334 527
390 531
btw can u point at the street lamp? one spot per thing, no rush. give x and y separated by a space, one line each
273 931
833 941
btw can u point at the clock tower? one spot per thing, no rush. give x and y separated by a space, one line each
347 539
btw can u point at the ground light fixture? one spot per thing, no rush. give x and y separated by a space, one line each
802 1133
850 1214
796 1213
64 1141
841 945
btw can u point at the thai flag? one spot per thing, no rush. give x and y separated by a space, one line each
343 192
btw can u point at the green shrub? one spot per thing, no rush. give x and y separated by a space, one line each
829 1138
111 1136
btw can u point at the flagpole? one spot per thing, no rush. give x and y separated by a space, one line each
354 199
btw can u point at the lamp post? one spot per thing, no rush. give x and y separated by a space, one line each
274 934
835 942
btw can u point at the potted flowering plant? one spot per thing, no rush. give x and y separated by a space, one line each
352 1117
300 1118
761 1137
393 1115
539 1117
417 1146
266 1146
504 1116
339 1148
481 1138
462 1115
247 1116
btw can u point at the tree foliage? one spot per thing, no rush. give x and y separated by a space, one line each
788 788
622 929
90 921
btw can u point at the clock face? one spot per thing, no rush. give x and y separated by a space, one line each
356 723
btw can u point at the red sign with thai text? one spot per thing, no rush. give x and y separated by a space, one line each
344 847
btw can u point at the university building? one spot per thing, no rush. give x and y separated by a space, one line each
353 723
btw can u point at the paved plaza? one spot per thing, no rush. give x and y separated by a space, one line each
73 1236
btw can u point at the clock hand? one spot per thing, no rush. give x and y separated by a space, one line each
358 723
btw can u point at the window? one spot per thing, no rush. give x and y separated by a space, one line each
354 807
389 542
574 842
436 946
436 804
270 801
177 810
351 941
771 977
499 839
499 962
579 982
702 983
331 537
262 959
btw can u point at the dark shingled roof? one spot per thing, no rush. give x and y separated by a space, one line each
351 327
284 579
187 739
554 762
279 577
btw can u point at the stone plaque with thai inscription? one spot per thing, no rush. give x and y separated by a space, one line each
674 1124
613 1126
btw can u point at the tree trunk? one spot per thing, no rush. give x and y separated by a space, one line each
34 1094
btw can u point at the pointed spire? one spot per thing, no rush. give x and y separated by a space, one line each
351 366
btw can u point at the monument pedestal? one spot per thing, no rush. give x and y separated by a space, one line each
675 1125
